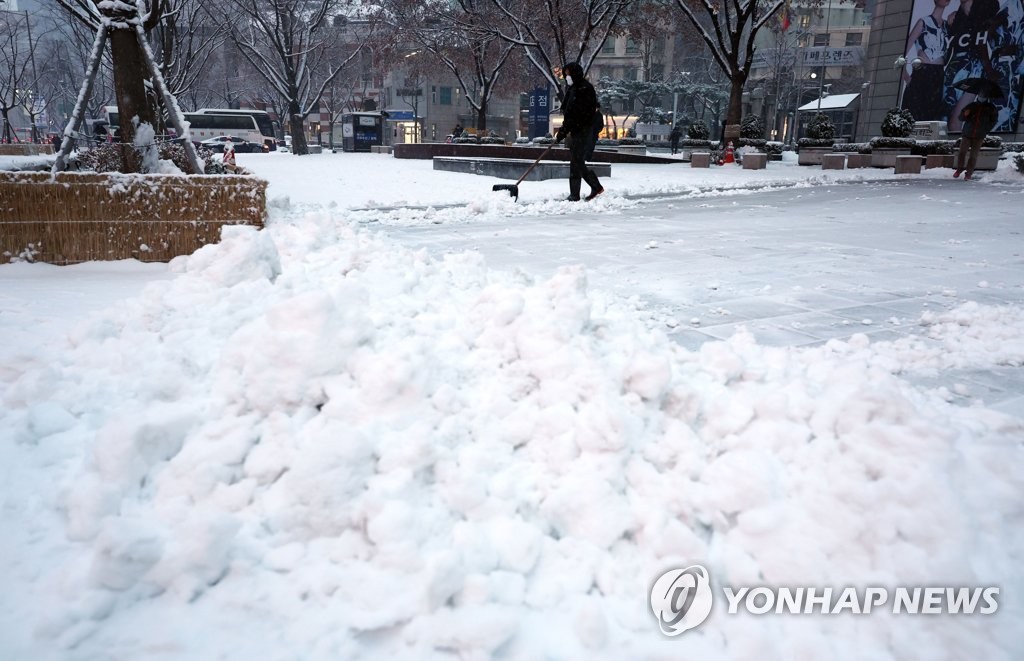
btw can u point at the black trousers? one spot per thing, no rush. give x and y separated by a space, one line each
581 149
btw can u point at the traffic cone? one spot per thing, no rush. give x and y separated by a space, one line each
728 154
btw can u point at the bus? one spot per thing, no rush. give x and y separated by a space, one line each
203 126
266 125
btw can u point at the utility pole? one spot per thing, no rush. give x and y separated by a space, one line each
35 78
828 39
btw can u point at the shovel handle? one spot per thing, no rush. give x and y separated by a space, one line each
534 164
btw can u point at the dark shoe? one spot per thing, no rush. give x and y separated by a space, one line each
573 198
594 193
956 173
968 175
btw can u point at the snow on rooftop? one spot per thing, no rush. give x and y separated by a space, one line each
830 102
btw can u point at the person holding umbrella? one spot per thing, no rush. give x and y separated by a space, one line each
978 118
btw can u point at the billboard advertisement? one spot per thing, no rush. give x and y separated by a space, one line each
949 41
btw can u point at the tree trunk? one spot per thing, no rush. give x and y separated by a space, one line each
129 82
481 120
299 145
735 113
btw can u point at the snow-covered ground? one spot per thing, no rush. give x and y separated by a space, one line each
323 440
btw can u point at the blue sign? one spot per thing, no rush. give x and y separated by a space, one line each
400 115
540 112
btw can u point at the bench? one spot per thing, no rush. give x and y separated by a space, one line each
908 165
755 161
833 162
513 168
700 159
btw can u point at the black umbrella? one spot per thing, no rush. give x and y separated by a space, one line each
982 86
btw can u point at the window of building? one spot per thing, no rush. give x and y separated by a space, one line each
805 21
630 73
632 47
821 39
608 47
446 96
854 38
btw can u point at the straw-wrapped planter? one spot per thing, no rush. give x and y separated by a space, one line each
83 216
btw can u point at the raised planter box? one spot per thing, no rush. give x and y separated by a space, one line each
938 161
755 161
885 157
812 155
25 149
908 165
428 150
988 158
635 150
700 159
513 168
833 162
858 161
688 150
77 216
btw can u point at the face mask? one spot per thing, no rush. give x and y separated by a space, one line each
568 79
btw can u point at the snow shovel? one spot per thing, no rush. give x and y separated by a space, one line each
513 189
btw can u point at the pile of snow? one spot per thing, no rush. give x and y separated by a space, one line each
314 444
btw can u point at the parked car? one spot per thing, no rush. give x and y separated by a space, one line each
240 145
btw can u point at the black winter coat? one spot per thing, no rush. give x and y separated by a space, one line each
579 109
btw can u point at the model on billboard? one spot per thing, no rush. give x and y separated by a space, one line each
923 95
969 29
981 39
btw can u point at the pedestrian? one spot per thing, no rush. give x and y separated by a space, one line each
580 112
674 137
978 118
457 131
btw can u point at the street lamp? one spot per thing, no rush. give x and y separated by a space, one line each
899 64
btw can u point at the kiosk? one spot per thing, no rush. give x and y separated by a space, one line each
361 130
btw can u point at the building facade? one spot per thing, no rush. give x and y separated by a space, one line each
991 47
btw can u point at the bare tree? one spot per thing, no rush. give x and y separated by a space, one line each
23 69
553 33
183 42
14 67
646 26
288 42
72 44
457 34
729 28
132 85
